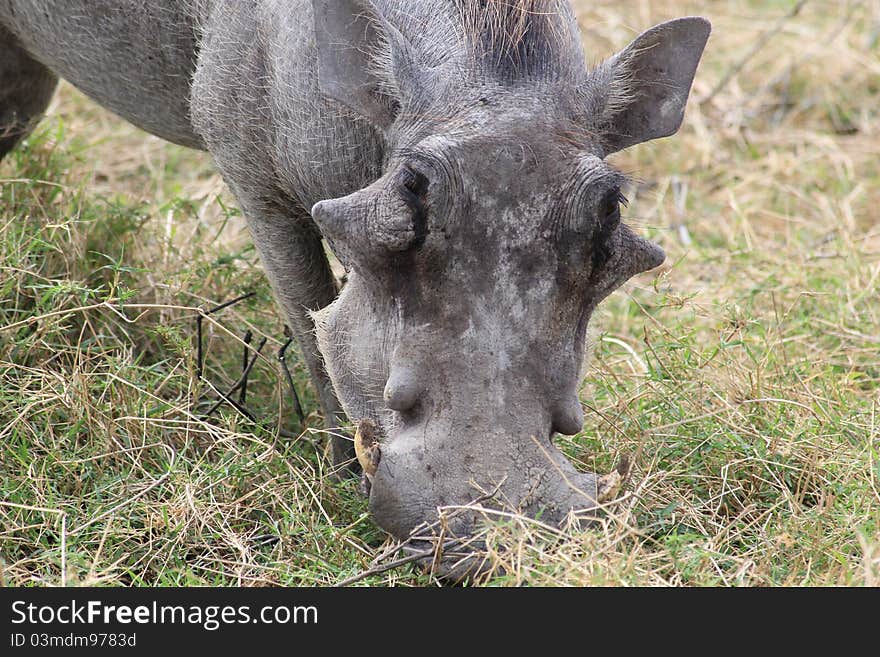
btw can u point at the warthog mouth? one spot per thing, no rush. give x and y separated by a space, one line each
453 545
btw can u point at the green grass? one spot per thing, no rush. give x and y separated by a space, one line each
742 381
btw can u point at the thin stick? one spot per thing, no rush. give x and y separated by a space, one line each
146 307
199 353
41 509
245 367
242 379
217 309
391 565
282 358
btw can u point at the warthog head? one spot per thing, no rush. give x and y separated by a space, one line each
478 257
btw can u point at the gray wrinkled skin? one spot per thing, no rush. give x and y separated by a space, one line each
452 154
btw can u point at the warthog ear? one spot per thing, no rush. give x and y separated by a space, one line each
640 93
346 33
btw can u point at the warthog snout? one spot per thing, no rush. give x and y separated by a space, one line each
441 464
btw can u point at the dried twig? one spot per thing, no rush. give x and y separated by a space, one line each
397 563
200 354
242 381
232 402
282 358
231 302
246 364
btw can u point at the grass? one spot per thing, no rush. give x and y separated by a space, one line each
743 380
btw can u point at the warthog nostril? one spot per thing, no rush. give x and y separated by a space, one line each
402 390
568 419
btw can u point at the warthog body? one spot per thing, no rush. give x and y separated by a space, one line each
452 154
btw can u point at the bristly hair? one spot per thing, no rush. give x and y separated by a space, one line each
521 38
506 40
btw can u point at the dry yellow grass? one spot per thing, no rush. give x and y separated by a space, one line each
743 381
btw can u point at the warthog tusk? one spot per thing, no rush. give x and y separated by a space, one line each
608 486
366 447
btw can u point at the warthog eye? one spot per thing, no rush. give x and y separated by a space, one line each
609 220
413 188
610 211
413 182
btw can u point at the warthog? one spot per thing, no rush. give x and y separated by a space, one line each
451 152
